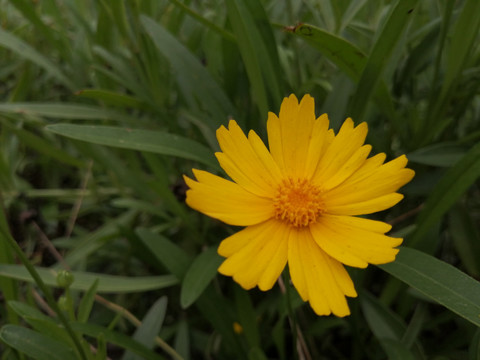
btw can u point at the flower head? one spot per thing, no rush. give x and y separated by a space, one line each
298 201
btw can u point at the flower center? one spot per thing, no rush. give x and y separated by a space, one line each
298 202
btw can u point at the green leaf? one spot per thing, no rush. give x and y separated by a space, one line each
27 311
348 57
466 238
372 73
396 350
461 41
247 316
182 340
201 272
388 328
121 340
112 98
474 348
256 354
142 140
86 304
45 147
454 184
59 110
203 20
166 252
197 85
438 281
41 322
84 280
23 49
383 323
150 327
260 64
34 344
442 155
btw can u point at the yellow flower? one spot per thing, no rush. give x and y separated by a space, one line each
298 203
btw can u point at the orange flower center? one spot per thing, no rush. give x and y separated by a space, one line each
298 202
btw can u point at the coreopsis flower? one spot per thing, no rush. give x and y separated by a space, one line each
299 201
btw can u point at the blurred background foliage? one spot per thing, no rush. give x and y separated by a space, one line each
105 104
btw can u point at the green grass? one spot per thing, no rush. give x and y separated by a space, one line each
106 104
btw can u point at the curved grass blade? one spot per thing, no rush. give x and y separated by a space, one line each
83 280
43 146
260 64
34 344
19 46
378 59
439 281
454 183
142 140
195 82
60 111
150 327
349 58
124 341
461 45
112 98
199 275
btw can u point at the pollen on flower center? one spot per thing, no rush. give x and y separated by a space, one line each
298 202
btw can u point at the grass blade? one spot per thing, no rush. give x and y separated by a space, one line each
23 49
201 272
124 341
380 54
348 57
439 281
148 330
84 280
142 140
260 63
454 184
60 111
195 82
34 344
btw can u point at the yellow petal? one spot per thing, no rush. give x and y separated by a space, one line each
275 140
290 134
343 147
317 277
351 242
321 139
370 185
256 255
365 207
242 163
226 201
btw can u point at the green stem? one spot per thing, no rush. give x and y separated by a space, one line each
291 313
51 301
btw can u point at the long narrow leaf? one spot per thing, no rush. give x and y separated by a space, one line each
34 344
19 46
83 280
348 57
119 339
380 54
148 330
59 110
197 85
134 139
453 184
439 281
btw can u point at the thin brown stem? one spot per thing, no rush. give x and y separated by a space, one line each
78 203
